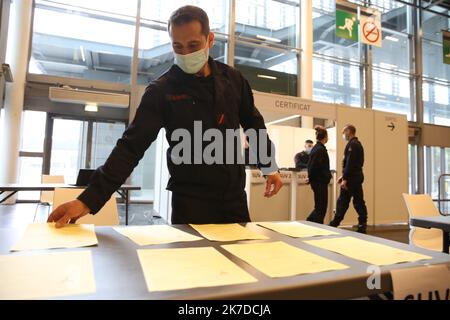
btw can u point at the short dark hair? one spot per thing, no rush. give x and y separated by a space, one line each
321 133
187 14
350 128
309 141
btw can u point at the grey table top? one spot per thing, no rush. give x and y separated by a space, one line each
119 276
439 222
49 187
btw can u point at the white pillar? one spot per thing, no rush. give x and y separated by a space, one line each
17 57
306 65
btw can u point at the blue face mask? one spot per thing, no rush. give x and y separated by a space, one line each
193 62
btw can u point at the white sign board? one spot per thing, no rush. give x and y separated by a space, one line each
371 27
422 283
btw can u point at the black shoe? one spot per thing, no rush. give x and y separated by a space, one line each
362 229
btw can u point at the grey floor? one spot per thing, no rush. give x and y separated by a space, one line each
143 214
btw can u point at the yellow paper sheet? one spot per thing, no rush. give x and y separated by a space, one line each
178 269
46 276
278 259
366 251
41 236
296 229
155 234
227 232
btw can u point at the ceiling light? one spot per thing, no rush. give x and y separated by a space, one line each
268 38
267 77
91 107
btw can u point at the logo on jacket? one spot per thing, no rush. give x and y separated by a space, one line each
177 97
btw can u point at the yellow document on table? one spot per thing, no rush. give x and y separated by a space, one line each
278 259
41 236
227 232
296 229
155 234
367 251
186 268
46 276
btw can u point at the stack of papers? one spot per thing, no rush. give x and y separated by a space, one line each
46 276
278 259
296 229
156 234
177 269
366 251
43 236
226 232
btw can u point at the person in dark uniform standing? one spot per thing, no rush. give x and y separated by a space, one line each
351 181
197 95
319 175
301 159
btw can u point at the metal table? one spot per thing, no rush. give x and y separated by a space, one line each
440 222
119 276
123 191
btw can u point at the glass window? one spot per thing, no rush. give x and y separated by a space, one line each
68 148
30 173
432 26
104 139
336 82
84 39
412 155
267 69
270 21
336 69
391 93
266 41
433 170
33 131
436 107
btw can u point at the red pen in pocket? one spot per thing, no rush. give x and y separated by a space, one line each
222 119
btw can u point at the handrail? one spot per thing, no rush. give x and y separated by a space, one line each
440 200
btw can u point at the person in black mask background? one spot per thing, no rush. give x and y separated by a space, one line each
319 175
301 159
351 181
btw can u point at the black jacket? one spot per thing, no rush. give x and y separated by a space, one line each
301 160
353 160
223 100
319 165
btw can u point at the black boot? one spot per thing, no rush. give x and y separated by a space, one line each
362 228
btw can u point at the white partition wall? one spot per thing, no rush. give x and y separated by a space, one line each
386 152
391 167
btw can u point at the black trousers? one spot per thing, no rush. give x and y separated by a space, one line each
320 202
354 190
187 209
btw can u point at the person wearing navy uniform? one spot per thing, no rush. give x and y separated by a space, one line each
352 181
319 175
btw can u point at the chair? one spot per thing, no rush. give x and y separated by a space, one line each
107 216
46 198
422 205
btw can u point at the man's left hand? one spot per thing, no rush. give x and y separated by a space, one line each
273 185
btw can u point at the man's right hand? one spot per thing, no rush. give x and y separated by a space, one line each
68 212
340 180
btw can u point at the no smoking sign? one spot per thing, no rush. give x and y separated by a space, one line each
371 30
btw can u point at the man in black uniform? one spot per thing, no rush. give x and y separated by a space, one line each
351 181
319 175
302 158
196 90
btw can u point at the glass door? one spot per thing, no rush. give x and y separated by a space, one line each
81 144
68 148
